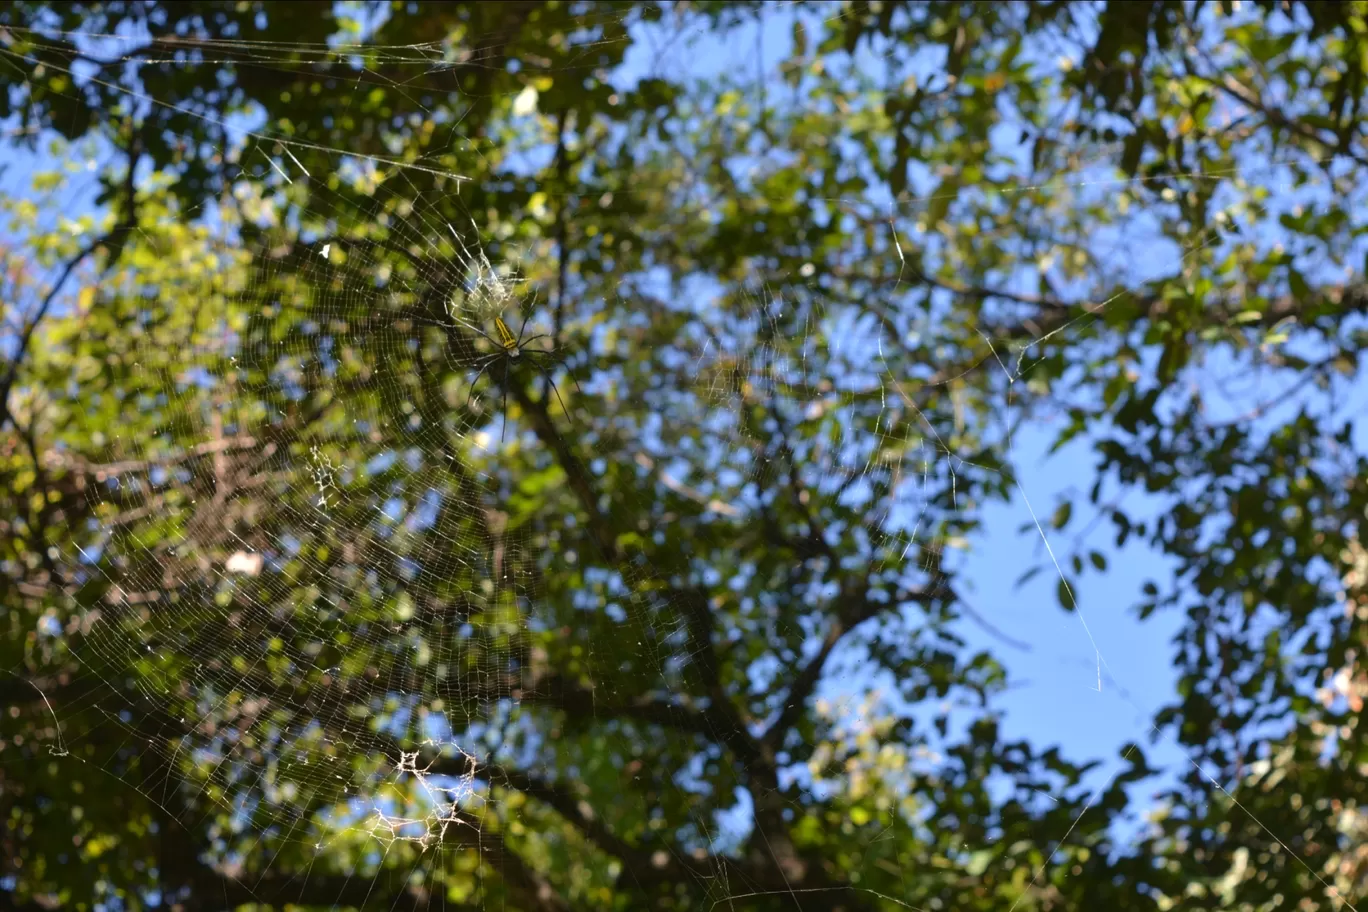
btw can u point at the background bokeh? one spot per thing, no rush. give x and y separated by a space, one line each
927 473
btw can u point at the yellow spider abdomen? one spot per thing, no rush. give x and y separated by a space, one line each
506 338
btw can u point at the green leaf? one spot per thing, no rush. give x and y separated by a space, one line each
1065 594
1131 151
978 862
938 207
1301 290
1279 332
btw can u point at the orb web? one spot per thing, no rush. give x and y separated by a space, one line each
324 573
312 563
378 514
330 578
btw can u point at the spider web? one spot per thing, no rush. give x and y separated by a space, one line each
302 491
331 548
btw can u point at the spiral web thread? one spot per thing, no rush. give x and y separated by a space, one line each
234 734
254 572
245 750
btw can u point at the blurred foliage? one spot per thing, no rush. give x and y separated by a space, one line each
292 618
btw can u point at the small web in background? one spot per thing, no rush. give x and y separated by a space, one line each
418 508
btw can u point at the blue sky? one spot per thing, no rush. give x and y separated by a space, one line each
1055 698
1092 680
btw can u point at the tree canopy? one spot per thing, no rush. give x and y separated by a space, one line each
450 457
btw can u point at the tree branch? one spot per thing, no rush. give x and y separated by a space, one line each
26 335
854 611
723 719
1232 87
330 891
521 878
115 238
582 703
578 477
645 866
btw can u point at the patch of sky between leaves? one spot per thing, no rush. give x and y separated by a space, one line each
1029 713
1042 720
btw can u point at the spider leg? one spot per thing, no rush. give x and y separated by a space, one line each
522 329
531 358
503 426
552 383
571 374
475 329
561 362
524 344
484 366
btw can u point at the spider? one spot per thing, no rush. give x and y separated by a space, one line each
511 350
